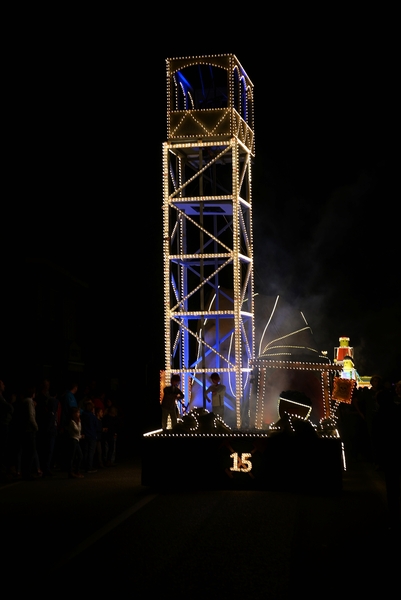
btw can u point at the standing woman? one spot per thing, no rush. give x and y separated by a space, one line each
89 435
73 444
28 427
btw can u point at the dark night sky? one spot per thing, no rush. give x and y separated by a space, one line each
85 167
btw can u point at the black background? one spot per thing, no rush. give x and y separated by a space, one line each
83 179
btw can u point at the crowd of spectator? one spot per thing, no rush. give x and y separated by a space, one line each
43 430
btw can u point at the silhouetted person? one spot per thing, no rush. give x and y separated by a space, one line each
353 429
47 419
111 426
89 432
217 390
6 414
171 394
26 429
397 391
68 401
73 444
99 437
388 452
370 407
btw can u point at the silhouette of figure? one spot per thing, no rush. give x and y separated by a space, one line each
99 437
6 414
47 419
89 432
353 430
217 390
370 407
110 422
171 394
388 452
27 428
73 448
68 401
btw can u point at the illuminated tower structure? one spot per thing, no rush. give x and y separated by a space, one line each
207 227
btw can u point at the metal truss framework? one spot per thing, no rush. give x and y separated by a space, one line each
207 225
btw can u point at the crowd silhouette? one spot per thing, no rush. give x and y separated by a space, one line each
43 430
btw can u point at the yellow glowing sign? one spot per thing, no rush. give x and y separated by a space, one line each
241 463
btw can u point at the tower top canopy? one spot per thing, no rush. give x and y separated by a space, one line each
225 61
209 97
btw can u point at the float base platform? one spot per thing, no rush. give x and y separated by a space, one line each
242 461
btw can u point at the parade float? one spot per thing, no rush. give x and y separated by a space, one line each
279 427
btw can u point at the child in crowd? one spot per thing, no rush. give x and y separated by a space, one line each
99 438
89 431
74 450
